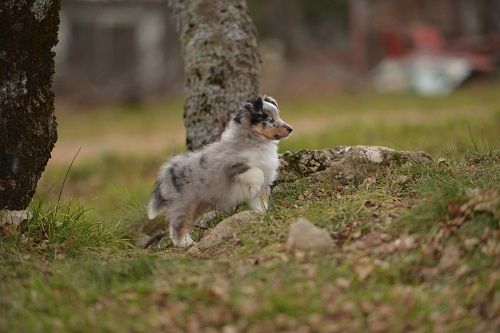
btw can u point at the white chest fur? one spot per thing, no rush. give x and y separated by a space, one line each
264 158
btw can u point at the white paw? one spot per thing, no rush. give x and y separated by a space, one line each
259 205
184 241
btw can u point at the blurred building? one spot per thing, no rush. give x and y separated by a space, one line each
116 50
127 51
312 29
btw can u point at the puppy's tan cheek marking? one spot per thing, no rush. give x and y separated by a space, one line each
258 129
277 132
270 133
283 132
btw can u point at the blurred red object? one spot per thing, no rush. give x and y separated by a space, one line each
426 37
392 43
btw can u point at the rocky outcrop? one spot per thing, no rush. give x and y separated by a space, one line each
346 163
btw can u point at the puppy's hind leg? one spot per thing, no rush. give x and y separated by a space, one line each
181 223
202 222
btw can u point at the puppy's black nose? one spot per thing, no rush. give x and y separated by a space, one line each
289 129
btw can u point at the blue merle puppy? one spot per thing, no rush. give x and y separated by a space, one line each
239 167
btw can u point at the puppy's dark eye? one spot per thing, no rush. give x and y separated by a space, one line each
271 121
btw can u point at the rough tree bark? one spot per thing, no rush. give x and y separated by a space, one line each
221 63
28 31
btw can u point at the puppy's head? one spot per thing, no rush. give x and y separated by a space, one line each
261 116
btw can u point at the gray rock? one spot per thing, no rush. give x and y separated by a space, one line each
346 163
14 216
226 229
304 235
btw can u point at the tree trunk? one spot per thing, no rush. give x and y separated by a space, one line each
28 31
221 64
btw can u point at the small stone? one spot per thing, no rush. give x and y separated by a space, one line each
442 162
14 217
226 229
373 154
304 235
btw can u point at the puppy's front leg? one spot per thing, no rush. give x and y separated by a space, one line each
251 182
260 203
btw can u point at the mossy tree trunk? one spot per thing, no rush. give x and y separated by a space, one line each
28 31
221 64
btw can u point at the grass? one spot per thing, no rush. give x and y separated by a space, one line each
420 255
466 120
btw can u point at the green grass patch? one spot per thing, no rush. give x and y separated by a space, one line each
59 231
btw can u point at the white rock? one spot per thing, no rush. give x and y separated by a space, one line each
304 235
14 216
373 154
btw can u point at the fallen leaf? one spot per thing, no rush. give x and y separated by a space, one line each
343 283
363 271
450 256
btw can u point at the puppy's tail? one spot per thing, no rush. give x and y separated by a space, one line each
157 204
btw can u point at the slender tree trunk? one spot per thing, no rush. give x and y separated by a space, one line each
221 64
358 35
28 31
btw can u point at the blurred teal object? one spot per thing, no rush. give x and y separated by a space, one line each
432 75
423 73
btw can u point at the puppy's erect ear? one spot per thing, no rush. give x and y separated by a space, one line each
254 106
248 107
246 111
271 100
258 104
254 110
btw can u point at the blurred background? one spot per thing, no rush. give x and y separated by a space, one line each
407 74
116 51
